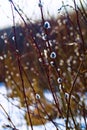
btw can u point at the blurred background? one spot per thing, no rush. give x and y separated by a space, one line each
30 8
62 60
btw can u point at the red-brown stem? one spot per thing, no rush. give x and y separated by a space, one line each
80 30
8 117
70 94
20 69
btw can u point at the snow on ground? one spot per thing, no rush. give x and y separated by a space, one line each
17 115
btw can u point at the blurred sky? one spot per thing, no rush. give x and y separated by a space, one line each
30 8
